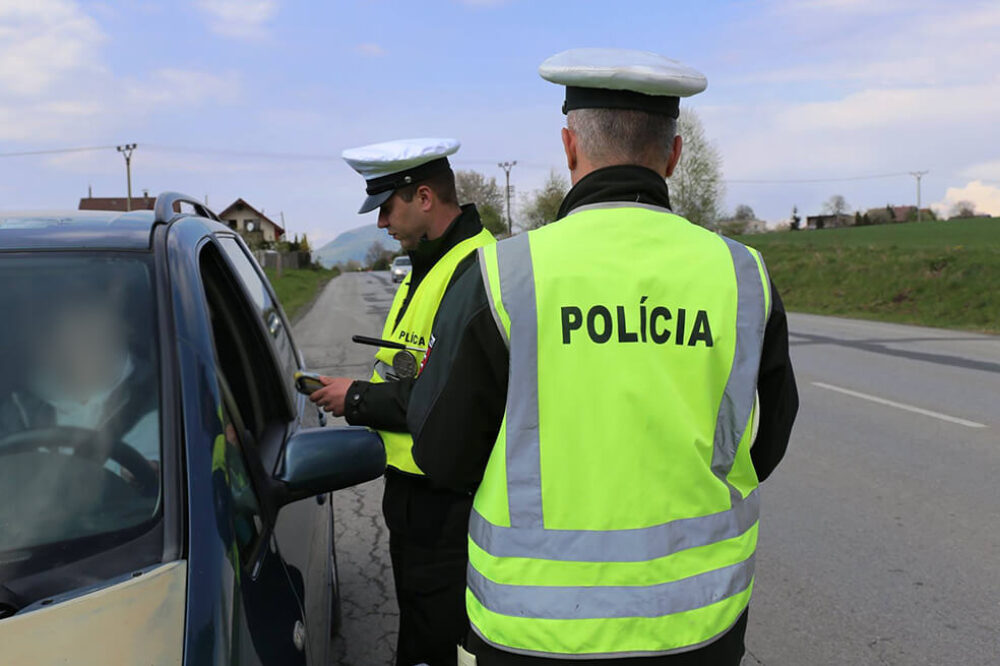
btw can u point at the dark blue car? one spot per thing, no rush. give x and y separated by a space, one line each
161 501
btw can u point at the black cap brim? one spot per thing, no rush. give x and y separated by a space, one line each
374 201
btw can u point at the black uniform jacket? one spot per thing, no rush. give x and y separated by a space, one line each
383 406
458 401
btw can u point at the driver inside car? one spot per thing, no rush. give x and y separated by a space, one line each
80 373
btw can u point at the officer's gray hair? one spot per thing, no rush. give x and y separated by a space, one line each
618 136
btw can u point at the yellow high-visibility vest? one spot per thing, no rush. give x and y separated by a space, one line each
618 511
414 330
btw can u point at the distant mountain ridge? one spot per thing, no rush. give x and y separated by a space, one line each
353 245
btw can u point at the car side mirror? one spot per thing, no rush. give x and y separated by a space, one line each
316 461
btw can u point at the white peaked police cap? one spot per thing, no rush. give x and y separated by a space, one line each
388 166
622 79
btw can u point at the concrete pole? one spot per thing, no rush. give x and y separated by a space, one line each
126 150
918 175
507 166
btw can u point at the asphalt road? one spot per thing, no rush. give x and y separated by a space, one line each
880 532
356 303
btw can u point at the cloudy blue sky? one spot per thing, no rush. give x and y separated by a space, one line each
256 98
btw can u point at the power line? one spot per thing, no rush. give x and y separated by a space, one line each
219 152
328 157
817 180
56 151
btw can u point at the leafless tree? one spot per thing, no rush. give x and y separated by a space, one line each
696 187
486 193
836 205
963 209
542 206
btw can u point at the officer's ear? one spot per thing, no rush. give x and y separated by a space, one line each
675 156
425 198
570 146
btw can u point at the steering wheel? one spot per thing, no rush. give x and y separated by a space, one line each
89 444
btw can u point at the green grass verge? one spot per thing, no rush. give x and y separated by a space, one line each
944 274
297 288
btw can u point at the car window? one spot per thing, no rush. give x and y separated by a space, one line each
242 354
80 460
401 261
232 462
266 307
248 274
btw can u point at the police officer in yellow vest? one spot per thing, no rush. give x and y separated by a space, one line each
413 186
614 386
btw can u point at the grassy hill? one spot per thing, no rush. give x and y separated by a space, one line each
944 274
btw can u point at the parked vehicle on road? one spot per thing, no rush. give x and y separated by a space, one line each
401 267
161 501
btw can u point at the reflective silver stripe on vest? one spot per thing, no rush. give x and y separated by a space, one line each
634 545
770 300
517 291
600 602
385 371
489 295
738 398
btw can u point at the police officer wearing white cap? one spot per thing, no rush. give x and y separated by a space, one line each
613 371
412 185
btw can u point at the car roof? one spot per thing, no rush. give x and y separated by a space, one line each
84 229
77 229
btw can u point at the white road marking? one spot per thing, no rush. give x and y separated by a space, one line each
899 405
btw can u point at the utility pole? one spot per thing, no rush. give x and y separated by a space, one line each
918 175
507 166
126 150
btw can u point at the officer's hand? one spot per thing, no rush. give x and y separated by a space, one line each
331 396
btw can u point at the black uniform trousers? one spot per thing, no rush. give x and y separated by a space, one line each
428 544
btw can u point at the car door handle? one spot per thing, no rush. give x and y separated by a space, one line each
274 324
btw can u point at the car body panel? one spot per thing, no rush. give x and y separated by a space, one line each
228 622
232 611
303 531
138 620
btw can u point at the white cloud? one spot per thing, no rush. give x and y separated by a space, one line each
43 43
857 88
241 19
55 84
917 48
370 49
49 61
988 171
887 108
984 198
179 86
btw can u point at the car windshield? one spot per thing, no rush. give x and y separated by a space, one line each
401 261
79 422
